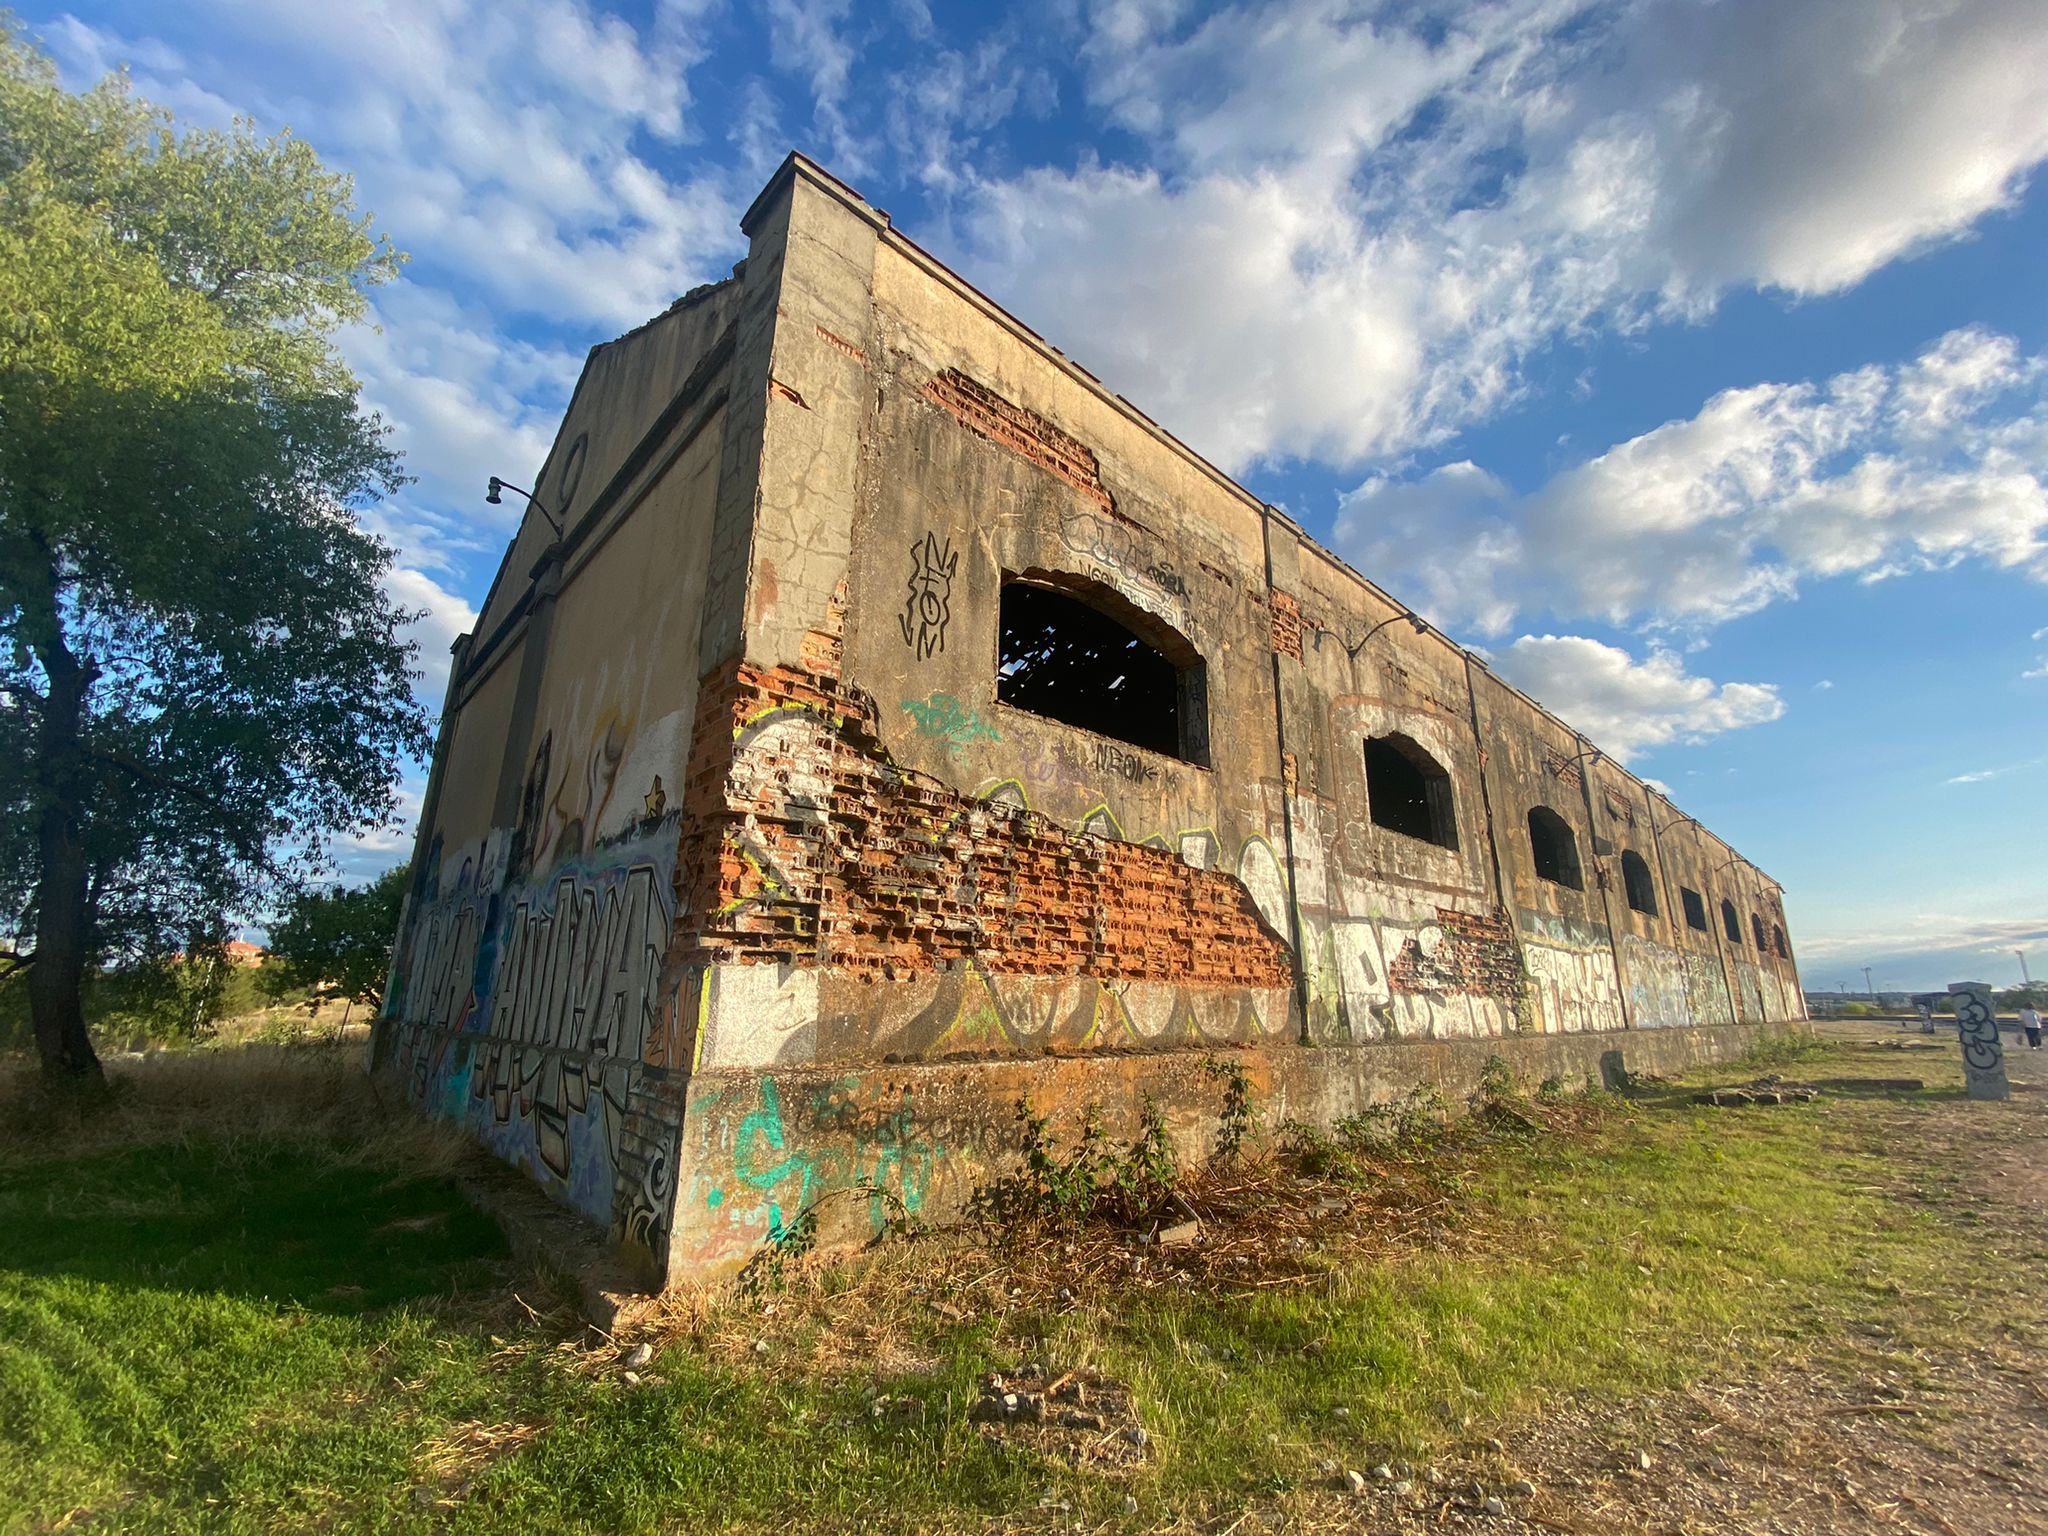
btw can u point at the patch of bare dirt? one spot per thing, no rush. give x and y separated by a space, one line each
1947 1439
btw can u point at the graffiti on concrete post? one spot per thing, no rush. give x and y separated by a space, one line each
929 608
1983 1051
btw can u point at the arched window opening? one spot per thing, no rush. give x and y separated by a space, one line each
1778 944
1695 909
1756 931
1407 791
1556 848
1635 880
1072 661
1730 923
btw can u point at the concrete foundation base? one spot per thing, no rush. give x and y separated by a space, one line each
849 1151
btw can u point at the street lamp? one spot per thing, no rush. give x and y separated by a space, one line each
1415 622
533 501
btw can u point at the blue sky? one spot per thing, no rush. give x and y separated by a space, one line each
1688 358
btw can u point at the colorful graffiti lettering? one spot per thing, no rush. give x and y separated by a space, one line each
529 1017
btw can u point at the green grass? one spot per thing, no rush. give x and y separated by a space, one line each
286 1330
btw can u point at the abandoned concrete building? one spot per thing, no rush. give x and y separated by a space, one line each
876 720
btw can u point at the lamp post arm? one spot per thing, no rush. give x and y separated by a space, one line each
497 485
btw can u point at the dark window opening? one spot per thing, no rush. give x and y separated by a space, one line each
1784 950
1756 928
1730 923
1069 661
1695 909
1635 879
1556 848
1407 791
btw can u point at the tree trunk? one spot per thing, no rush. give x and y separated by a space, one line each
63 910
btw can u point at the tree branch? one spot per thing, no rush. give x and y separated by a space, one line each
15 963
252 851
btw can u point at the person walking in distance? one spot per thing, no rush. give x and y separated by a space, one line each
2030 1021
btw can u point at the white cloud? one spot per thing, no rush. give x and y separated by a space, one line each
2042 669
1932 932
1707 518
1824 685
807 37
1982 774
1627 706
1357 262
463 400
444 616
363 856
501 142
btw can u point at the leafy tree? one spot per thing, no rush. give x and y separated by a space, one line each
339 939
201 674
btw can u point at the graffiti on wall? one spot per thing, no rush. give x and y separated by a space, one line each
1749 991
1657 997
944 719
762 1156
1571 973
929 607
1124 548
579 976
529 1013
1706 990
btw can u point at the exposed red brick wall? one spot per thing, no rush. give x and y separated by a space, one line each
1286 624
804 844
1478 955
1564 769
981 410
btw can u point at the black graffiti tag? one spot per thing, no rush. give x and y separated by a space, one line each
929 608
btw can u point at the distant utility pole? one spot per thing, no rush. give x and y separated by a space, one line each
1867 986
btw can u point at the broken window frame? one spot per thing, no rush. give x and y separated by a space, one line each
1731 923
1439 807
1165 645
1756 930
1638 888
1779 947
1561 839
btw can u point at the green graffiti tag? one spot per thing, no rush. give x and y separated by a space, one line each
765 1124
848 1148
942 718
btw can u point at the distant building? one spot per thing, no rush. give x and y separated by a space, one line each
1821 1003
878 720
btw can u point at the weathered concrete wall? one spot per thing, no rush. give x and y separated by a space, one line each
858 1147
1649 953
530 996
1401 937
742 884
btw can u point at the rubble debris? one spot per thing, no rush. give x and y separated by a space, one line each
1770 1089
1079 1415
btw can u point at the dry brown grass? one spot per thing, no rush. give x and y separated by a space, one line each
1266 1223
315 1094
